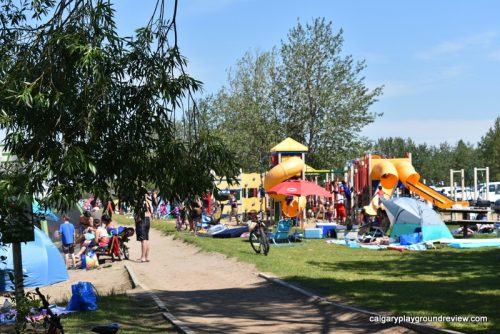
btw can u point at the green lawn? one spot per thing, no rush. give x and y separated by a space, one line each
134 314
437 282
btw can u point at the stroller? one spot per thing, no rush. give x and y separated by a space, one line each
117 246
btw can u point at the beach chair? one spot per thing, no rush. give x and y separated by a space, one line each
370 232
280 235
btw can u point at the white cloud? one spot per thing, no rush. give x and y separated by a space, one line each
427 81
430 131
447 48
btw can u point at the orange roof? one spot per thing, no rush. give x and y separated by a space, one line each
289 145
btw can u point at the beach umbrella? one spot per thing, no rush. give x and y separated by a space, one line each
298 188
43 264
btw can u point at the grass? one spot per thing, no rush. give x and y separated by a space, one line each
135 314
437 282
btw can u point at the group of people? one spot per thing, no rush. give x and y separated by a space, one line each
90 233
339 207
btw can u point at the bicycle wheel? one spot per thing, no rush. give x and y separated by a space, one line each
124 252
264 241
255 241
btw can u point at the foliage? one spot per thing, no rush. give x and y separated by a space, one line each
246 113
87 110
307 90
489 147
323 96
381 280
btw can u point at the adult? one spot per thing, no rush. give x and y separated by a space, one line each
155 202
340 209
233 202
195 213
144 212
85 221
347 196
109 209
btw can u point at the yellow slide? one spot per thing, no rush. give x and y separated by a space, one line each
288 168
389 171
385 171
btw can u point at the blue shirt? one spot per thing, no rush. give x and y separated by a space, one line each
67 231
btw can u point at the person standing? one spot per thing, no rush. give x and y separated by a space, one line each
347 196
233 202
381 194
142 226
67 233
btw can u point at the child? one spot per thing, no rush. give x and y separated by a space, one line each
380 194
67 233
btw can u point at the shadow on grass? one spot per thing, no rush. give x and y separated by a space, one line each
445 282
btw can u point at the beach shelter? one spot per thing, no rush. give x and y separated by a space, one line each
408 215
43 264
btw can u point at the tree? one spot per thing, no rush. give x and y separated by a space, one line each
324 99
306 91
88 110
246 112
489 147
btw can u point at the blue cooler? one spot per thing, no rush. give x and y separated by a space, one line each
326 227
313 233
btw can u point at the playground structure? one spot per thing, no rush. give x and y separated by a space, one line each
287 161
388 173
247 193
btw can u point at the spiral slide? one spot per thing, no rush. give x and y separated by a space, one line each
389 171
281 172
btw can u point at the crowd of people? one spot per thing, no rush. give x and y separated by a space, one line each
337 208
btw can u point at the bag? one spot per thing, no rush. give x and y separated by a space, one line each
89 260
331 233
83 297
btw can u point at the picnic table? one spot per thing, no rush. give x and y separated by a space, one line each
465 219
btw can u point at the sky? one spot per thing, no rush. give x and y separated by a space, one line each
439 61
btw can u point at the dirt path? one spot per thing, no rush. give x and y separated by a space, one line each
214 294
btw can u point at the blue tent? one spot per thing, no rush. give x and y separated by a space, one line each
409 215
43 264
49 215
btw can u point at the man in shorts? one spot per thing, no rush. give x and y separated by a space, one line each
67 233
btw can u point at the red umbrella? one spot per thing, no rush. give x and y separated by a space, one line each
298 188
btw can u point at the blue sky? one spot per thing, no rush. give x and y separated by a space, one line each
438 60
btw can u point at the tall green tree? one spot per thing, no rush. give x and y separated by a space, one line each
324 100
305 90
246 112
85 109
489 146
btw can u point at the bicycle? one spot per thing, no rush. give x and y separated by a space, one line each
258 236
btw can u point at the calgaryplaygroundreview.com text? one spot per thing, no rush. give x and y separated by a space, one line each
426 319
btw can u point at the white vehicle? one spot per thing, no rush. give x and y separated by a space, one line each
493 191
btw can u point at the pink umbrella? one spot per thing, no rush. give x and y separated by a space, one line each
298 188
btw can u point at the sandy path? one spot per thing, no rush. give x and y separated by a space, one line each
214 294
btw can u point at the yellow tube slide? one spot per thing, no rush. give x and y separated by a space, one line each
288 168
388 171
385 171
